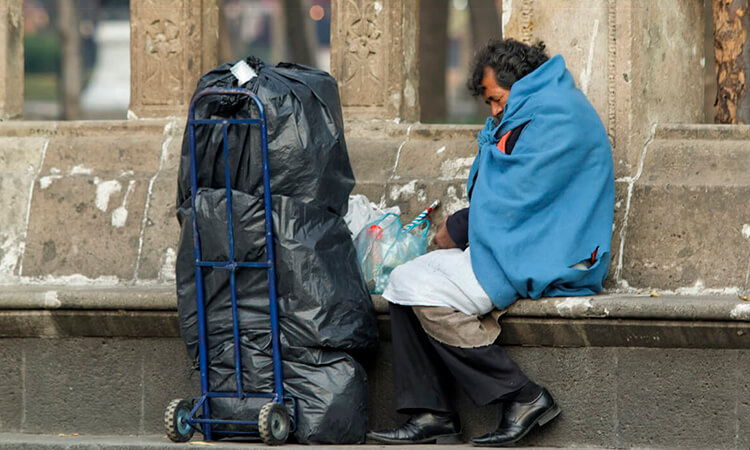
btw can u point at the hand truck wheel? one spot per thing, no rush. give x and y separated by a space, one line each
273 423
175 420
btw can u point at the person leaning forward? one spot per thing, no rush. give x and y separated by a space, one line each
539 224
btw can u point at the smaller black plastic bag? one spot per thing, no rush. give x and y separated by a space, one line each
308 159
330 389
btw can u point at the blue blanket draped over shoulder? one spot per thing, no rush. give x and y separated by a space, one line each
548 205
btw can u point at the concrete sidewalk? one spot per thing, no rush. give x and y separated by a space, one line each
13 441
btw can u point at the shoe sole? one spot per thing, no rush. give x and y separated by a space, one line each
542 420
442 439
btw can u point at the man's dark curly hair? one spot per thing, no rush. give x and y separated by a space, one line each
509 59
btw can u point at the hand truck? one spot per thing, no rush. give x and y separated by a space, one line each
181 417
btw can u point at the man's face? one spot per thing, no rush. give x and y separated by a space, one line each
494 95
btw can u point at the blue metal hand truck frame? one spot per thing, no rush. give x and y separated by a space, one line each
274 422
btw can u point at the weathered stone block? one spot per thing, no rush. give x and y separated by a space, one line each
581 382
742 402
445 132
688 224
12 385
698 160
396 164
625 333
437 157
88 206
375 192
58 390
167 375
69 235
687 236
413 196
373 160
161 231
672 397
20 159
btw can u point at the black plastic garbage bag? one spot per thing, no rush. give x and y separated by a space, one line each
323 301
330 389
307 150
324 306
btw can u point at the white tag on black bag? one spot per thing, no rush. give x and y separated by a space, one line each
243 72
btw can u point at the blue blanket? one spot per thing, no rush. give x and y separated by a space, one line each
548 205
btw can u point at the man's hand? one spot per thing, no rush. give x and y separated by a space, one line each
442 239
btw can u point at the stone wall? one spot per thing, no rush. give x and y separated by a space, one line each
88 202
615 364
92 202
642 65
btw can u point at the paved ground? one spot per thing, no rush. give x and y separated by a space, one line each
67 442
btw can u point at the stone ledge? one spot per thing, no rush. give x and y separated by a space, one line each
52 297
553 332
629 306
702 131
89 323
621 320
613 320
88 311
606 306
80 128
626 306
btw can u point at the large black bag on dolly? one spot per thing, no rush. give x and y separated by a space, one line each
324 305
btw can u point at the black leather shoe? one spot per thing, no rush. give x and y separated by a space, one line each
519 419
424 428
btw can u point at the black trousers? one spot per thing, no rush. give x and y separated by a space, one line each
423 367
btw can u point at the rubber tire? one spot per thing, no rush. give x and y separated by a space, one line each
273 423
174 420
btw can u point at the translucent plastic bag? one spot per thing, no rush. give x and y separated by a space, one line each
384 244
362 212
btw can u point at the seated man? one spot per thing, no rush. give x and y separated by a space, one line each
541 192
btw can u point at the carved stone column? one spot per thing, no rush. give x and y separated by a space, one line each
172 43
638 61
374 57
11 59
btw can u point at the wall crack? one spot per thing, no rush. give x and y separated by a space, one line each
631 183
168 137
22 244
382 203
